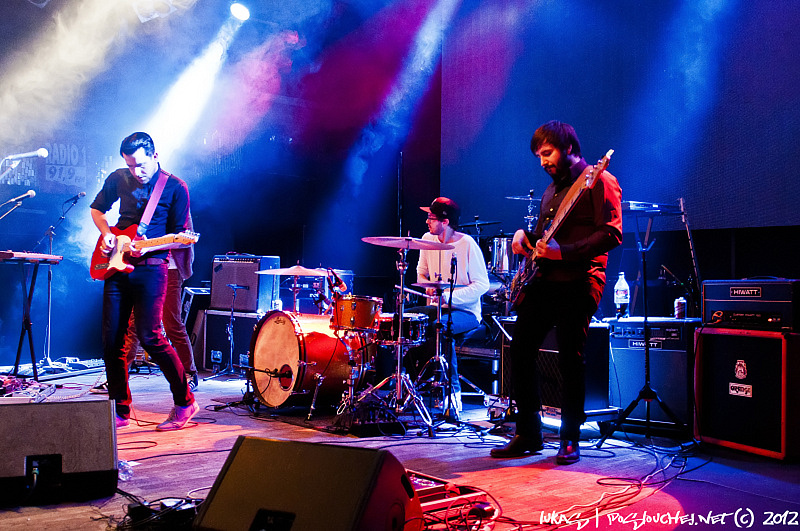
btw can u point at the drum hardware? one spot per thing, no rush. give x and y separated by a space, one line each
319 379
440 376
532 216
229 329
404 393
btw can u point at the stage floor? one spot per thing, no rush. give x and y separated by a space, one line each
628 482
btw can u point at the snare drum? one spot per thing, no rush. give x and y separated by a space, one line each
414 327
351 312
503 258
288 352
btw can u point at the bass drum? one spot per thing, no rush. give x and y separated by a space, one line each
290 351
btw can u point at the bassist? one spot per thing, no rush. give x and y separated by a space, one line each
565 290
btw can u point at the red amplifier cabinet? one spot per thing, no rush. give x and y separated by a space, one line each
745 390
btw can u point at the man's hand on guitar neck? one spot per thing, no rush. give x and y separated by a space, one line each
134 251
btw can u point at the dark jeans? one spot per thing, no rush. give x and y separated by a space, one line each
416 357
567 306
173 325
141 292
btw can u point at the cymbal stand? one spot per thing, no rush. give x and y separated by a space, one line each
646 393
439 374
404 393
229 369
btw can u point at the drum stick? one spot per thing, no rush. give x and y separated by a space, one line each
411 291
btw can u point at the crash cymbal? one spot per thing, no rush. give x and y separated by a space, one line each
432 284
294 271
406 243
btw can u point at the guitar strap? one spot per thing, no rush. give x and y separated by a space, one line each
152 203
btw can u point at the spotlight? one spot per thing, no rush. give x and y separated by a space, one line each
239 11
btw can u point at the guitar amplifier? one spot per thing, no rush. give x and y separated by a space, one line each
259 290
596 403
756 304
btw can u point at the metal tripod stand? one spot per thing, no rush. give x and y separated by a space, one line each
646 393
229 369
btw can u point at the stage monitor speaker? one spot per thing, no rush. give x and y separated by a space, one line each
217 344
240 269
301 486
550 380
671 368
55 452
746 392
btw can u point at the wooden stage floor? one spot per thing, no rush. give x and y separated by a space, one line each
630 483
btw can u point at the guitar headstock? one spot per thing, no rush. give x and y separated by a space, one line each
187 237
600 167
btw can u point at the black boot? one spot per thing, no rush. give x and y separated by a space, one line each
569 452
519 446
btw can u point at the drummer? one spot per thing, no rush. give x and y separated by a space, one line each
467 262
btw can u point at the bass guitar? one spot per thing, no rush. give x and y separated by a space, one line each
118 260
529 267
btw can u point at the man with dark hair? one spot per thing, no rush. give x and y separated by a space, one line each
141 291
467 262
565 291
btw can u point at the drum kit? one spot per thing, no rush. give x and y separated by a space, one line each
295 357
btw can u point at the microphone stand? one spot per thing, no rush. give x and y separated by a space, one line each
50 235
229 369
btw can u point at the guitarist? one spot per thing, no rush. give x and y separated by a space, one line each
565 290
141 291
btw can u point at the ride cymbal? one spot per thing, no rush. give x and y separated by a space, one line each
406 243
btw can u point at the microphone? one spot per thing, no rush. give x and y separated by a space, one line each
453 266
75 197
237 286
41 152
338 283
29 193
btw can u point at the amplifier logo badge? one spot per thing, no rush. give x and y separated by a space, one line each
754 293
740 370
736 389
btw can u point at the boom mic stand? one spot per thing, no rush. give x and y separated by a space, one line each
646 393
50 234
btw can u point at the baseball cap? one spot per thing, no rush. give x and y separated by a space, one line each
444 208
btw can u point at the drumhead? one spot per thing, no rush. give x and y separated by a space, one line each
276 347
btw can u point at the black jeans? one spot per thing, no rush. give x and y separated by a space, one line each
142 292
567 306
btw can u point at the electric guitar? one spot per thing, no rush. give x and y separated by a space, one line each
529 267
118 260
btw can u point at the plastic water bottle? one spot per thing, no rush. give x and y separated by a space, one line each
124 470
622 295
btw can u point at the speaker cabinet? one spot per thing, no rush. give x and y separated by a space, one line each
240 269
300 486
746 392
671 368
550 380
70 448
217 344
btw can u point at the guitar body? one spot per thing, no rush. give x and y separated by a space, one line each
118 260
529 268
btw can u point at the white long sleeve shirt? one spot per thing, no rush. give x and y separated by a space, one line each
470 271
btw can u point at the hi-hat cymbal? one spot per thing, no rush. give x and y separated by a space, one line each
432 284
406 243
477 223
524 198
294 271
